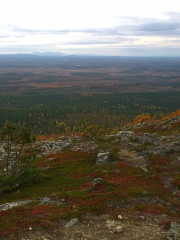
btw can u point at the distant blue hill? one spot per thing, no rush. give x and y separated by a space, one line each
58 54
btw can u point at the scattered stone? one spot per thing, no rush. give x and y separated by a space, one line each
114 226
97 181
119 217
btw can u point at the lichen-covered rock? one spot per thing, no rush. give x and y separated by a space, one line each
174 232
102 158
124 135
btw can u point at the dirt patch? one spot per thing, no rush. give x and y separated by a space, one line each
133 226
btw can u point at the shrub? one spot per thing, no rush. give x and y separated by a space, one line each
141 118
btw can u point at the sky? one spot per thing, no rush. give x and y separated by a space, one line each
100 27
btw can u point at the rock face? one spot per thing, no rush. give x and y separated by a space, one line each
102 158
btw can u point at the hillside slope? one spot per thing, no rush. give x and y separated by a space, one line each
133 173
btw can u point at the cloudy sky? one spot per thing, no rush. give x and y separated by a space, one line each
109 27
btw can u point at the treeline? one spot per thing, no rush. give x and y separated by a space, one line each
62 113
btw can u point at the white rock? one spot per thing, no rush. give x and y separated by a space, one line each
119 217
71 223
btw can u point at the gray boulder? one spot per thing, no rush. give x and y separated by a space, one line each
124 135
71 223
174 232
102 158
97 181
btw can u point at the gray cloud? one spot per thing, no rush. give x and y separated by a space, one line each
101 41
158 28
130 29
4 36
136 27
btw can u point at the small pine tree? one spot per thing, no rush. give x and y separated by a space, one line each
15 140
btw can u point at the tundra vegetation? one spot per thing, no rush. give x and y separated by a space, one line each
64 186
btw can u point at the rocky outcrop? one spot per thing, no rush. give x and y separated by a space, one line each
124 135
164 125
49 147
7 206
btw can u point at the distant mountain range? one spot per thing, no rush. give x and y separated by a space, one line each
51 54
58 54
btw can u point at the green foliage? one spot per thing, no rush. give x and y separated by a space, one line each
106 140
32 175
8 184
114 155
18 168
15 140
63 113
11 183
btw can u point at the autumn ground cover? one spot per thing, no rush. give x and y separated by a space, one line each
69 175
152 125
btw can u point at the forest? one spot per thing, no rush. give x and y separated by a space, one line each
67 113
65 94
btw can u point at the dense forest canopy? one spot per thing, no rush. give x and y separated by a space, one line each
55 113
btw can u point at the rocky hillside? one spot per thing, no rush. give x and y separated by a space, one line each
121 186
